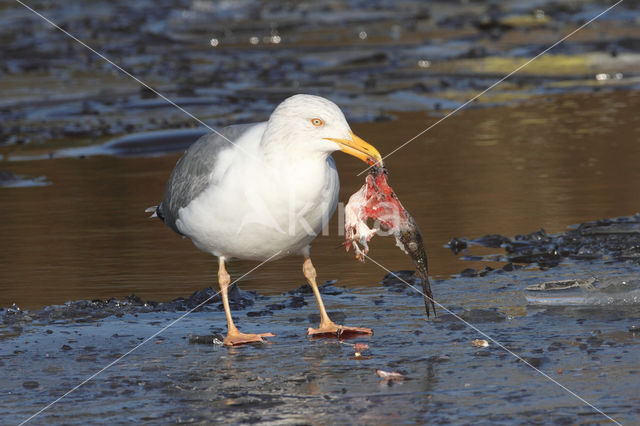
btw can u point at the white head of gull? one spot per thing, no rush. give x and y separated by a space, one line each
263 191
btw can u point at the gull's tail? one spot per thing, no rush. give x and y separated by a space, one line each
152 209
156 210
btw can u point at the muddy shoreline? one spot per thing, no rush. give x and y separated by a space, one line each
616 240
184 375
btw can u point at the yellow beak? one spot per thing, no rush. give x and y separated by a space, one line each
360 149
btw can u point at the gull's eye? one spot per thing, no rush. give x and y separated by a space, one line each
317 122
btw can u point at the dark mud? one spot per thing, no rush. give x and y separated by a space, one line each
206 299
613 240
184 375
91 310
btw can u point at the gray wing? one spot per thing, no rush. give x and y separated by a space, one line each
191 174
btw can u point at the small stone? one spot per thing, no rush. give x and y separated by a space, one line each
534 361
468 272
457 245
479 343
201 340
30 384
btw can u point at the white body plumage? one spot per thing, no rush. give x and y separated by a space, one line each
261 205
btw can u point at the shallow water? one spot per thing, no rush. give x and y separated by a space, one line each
548 162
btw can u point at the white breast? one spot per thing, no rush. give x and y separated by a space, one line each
258 209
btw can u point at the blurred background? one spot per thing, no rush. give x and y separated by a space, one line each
555 144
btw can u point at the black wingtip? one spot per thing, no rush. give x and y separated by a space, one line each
159 212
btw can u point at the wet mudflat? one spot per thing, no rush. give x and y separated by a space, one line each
555 145
183 376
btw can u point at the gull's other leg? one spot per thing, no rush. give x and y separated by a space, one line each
234 337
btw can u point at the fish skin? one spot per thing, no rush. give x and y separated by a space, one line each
411 239
376 200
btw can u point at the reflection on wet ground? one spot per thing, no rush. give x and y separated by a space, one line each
546 163
553 146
